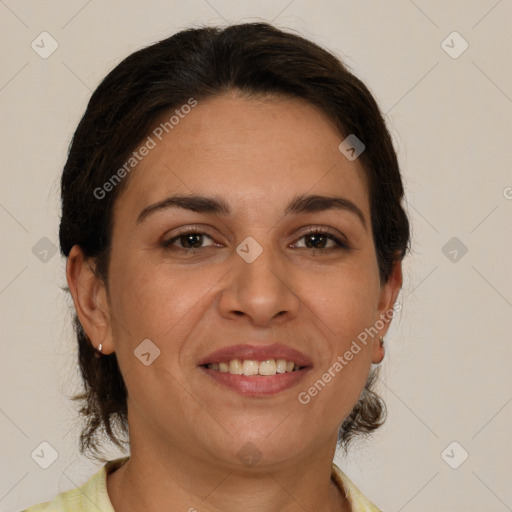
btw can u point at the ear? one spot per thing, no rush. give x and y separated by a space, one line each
388 295
90 298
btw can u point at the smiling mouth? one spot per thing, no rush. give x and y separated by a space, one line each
251 367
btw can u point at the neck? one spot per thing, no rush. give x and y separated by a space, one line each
152 479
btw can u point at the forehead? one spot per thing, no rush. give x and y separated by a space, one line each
252 150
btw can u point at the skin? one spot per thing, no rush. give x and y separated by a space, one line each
185 429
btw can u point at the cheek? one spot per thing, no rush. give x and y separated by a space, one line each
347 306
346 299
157 300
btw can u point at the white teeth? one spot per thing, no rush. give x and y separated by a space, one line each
235 367
281 366
252 367
267 367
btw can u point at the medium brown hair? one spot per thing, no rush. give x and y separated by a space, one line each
254 59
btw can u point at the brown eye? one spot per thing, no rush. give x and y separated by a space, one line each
189 240
318 239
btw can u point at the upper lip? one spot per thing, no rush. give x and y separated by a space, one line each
257 353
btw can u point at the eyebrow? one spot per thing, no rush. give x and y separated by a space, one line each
299 204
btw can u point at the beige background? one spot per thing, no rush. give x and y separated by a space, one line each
447 373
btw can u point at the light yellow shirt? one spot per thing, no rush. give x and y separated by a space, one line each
93 497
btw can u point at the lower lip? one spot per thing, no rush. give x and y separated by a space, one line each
254 385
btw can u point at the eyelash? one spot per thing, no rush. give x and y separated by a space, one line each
311 231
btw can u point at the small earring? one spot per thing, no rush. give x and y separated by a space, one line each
381 339
101 346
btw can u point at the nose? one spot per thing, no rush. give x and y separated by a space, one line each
260 291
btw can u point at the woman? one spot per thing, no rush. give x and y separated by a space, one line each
232 222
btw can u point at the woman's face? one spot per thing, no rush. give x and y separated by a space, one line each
252 278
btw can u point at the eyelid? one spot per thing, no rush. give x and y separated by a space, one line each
337 237
200 229
324 230
334 235
194 228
